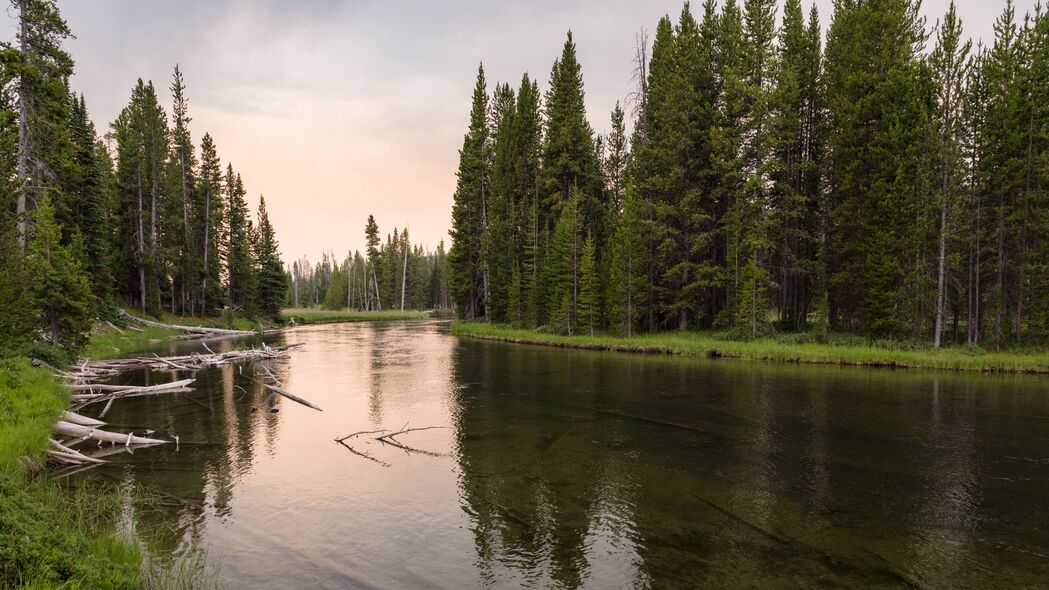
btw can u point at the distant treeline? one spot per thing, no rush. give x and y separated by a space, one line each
892 182
87 223
390 275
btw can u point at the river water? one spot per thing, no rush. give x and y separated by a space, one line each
579 469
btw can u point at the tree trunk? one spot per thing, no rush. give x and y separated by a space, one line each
22 168
207 230
940 278
404 275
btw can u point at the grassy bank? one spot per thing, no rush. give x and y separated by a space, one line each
714 345
325 316
55 536
51 536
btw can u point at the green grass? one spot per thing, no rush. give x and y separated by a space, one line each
107 343
788 349
304 315
51 536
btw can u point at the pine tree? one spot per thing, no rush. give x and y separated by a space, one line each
515 304
570 167
141 134
371 238
466 263
41 72
948 63
210 221
796 140
587 302
60 287
16 310
88 211
237 239
617 161
184 160
879 129
627 274
268 268
563 268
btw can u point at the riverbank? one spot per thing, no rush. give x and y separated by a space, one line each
54 535
304 315
712 345
49 535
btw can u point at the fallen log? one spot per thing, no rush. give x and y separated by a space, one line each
89 371
63 452
75 418
132 390
292 397
188 329
76 431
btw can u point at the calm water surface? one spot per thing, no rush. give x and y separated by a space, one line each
579 469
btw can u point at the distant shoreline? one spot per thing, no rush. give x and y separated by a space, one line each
706 344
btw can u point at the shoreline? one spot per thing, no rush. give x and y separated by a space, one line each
700 344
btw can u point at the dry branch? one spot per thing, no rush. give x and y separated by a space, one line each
188 329
292 397
76 431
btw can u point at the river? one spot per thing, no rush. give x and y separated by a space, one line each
579 469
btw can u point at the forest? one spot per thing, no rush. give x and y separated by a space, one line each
132 217
389 275
887 179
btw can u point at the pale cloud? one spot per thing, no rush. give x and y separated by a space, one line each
334 110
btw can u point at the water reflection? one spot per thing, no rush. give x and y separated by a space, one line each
587 470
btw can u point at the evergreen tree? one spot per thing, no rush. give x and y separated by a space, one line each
182 199
570 167
466 264
563 268
209 222
41 69
60 287
141 134
587 302
627 274
515 304
878 131
371 238
948 63
268 268
237 239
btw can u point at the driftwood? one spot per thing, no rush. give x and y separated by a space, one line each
86 372
82 420
403 430
388 439
68 455
76 431
113 392
187 329
292 397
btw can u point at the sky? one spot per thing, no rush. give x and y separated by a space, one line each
334 110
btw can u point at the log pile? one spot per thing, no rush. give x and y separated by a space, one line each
88 381
87 371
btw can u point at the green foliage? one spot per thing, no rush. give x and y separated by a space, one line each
269 269
50 536
59 286
588 305
469 210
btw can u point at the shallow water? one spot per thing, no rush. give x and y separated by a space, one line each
581 469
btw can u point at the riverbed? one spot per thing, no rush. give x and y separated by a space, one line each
580 469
